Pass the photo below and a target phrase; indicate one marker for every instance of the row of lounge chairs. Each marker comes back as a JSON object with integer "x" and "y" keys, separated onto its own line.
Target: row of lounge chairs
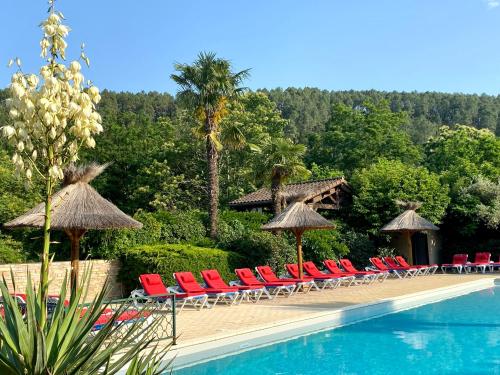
{"x": 482, "y": 263}
{"x": 126, "y": 317}
{"x": 266, "y": 284}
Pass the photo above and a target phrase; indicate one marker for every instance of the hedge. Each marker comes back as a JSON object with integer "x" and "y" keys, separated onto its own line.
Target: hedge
{"x": 166, "y": 259}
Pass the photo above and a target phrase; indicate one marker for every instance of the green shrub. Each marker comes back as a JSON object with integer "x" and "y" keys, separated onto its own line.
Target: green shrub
{"x": 386, "y": 252}
{"x": 250, "y": 220}
{"x": 260, "y": 248}
{"x": 158, "y": 227}
{"x": 361, "y": 247}
{"x": 319, "y": 245}
{"x": 11, "y": 251}
{"x": 166, "y": 259}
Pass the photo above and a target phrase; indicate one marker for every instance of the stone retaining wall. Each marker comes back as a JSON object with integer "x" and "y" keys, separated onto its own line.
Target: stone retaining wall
{"x": 101, "y": 269}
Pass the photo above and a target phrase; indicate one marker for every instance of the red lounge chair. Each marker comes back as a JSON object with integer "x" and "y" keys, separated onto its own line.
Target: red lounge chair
{"x": 188, "y": 284}
{"x": 126, "y": 317}
{"x": 495, "y": 265}
{"x": 305, "y": 284}
{"x": 313, "y": 271}
{"x": 347, "y": 266}
{"x": 250, "y": 293}
{"x": 459, "y": 264}
{"x": 247, "y": 278}
{"x": 155, "y": 290}
{"x": 429, "y": 268}
{"x": 398, "y": 272}
{"x": 324, "y": 281}
{"x": 482, "y": 261}
{"x": 362, "y": 277}
{"x": 391, "y": 263}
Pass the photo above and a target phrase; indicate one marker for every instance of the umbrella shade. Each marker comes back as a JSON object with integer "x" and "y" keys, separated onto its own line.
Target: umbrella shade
{"x": 409, "y": 220}
{"x": 407, "y": 223}
{"x": 76, "y": 208}
{"x": 298, "y": 217}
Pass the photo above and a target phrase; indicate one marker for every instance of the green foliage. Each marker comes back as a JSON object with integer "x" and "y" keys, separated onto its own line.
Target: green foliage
{"x": 319, "y": 245}
{"x": 309, "y": 109}
{"x": 169, "y": 258}
{"x": 463, "y": 153}
{"x": 240, "y": 232}
{"x": 386, "y": 251}
{"x": 321, "y": 172}
{"x": 15, "y": 198}
{"x": 158, "y": 227}
{"x": 379, "y": 186}
{"x": 11, "y": 251}
{"x": 354, "y": 137}
{"x": 482, "y": 198}
{"x": 66, "y": 344}
{"x": 254, "y": 119}
{"x": 360, "y": 246}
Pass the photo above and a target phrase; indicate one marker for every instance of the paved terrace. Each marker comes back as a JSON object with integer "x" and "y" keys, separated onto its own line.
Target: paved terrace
{"x": 209, "y": 324}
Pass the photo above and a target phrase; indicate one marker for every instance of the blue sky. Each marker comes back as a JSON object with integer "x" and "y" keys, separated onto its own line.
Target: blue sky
{"x": 404, "y": 45}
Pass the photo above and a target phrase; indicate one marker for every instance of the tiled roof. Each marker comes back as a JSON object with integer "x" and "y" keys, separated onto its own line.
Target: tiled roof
{"x": 304, "y": 190}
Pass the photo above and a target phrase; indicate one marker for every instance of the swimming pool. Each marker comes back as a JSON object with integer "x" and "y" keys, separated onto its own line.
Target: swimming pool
{"x": 455, "y": 336}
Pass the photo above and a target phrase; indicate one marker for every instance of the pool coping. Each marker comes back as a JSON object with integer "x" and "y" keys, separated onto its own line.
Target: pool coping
{"x": 206, "y": 349}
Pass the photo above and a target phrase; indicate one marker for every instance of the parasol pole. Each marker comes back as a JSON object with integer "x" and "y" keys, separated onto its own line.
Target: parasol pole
{"x": 75, "y": 235}
{"x": 410, "y": 249}
{"x": 298, "y": 236}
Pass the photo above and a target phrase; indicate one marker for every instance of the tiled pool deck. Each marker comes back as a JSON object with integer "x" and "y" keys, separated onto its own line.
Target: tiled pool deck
{"x": 211, "y": 324}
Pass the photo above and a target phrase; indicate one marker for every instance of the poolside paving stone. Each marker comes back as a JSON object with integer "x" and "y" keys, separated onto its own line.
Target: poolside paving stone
{"x": 222, "y": 320}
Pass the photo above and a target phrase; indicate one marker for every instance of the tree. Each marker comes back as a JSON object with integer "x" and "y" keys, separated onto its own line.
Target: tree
{"x": 462, "y": 154}
{"x": 207, "y": 85}
{"x": 482, "y": 200}
{"x": 280, "y": 161}
{"x": 250, "y": 123}
{"x": 354, "y": 137}
{"x": 52, "y": 115}
{"x": 379, "y": 186}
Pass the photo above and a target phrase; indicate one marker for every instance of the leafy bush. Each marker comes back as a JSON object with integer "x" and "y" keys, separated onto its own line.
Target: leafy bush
{"x": 264, "y": 248}
{"x": 325, "y": 244}
{"x": 169, "y": 258}
{"x": 11, "y": 251}
{"x": 159, "y": 227}
{"x": 386, "y": 251}
{"x": 361, "y": 247}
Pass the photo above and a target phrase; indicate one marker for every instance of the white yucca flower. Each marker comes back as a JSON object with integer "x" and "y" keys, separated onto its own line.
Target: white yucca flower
{"x": 52, "y": 113}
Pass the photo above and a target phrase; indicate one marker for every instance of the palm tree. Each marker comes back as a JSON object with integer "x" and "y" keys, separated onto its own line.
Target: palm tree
{"x": 282, "y": 160}
{"x": 207, "y": 85}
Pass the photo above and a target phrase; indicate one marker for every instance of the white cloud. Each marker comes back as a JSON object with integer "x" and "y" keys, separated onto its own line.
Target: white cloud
{"x": 492, "y": 3}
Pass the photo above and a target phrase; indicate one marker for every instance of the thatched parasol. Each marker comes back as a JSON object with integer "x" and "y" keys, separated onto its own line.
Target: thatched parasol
{"x": 298, "y": 217}
{"x": 408, "y": 223}
{"x": 76, "y": 208}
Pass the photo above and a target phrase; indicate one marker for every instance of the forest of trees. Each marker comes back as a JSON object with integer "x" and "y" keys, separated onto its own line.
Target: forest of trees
{"x": 309, "y": 109}
{"x": 440, "y": 149}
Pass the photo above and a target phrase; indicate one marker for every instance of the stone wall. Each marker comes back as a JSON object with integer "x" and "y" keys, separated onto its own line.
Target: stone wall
{"x": 101, "y": 269}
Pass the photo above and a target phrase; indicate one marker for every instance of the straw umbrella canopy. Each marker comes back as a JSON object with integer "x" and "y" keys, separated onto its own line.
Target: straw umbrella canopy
{"x": 76, "y": 208}
{"x": 408, "y": 223}
{"x": 298, "y": 217}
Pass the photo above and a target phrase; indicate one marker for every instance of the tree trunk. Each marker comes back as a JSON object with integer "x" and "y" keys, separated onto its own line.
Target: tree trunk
{"x": 213, "y": 179}
{"x": 277, "y": 194}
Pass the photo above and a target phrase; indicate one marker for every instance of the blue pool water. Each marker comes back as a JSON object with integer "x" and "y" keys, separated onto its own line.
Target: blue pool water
{"x": 455, "y": 336}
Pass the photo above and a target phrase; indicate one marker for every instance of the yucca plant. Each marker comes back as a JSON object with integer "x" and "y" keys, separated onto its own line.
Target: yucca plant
{"x": 67, "y": 343}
